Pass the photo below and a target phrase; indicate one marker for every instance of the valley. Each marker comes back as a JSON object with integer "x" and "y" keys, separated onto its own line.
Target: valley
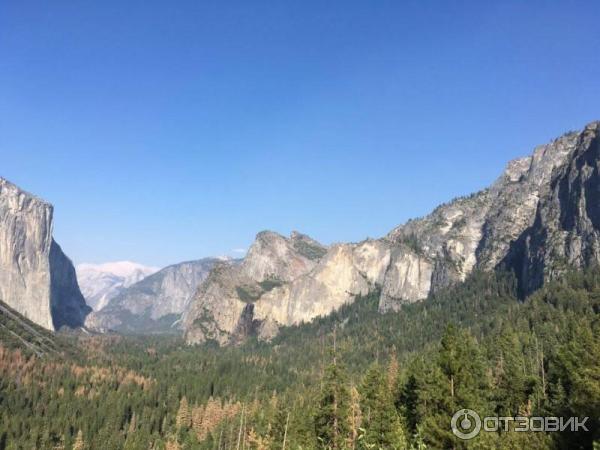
{"x": 491, "y": 302}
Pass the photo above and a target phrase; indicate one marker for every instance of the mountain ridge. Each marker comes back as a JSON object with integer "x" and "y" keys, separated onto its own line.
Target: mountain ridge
{"x": 100, "y": 283}
{"x": 154, "y": 303}
{"x": 419, "y": 257}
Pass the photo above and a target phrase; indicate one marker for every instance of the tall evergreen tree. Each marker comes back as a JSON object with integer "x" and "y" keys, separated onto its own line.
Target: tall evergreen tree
{"x": 331, "y": 419}
{"x": 380, "y": 420}
{"x": 458, "y": 380}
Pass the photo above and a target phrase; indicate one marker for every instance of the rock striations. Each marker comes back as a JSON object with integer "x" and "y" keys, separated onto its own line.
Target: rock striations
{"x": 541, "y": 217}
{"x": 36, "y": 278}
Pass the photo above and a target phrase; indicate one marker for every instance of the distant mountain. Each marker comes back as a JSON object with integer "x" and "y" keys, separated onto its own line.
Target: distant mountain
{"x": 37, "y": 280}
{"x": 154, "y": 304}
{"x": 100, "y": 283}
{"x": 540, "y": 219}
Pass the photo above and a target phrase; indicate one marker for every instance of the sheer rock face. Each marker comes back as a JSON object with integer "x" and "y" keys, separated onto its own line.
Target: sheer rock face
{"x": 540, "y": 217}
{"x": 344, "y": 272}
{"x": 434, "y": 251}
{"x": 565, "y": 229}
{"x": 155, "y": 303}
{"x": 516, "y": 196}
{"x": 36, "y": 278}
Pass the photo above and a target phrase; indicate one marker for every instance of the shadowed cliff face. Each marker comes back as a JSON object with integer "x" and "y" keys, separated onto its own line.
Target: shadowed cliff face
{"x": 67, "y": 305}
{"x": 36, "y": 278}
{"x": 540, "y": 217}
{"x": 566, "y": 230}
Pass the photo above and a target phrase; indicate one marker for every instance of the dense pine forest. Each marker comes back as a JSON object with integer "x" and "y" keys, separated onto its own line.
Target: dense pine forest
{"x": 356, "y": 379}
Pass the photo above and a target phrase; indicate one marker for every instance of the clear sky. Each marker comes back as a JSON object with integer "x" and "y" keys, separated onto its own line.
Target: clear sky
{"x": 166, "y": 131}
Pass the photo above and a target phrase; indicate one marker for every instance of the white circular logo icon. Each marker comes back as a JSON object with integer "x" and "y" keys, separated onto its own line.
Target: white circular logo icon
{"x": 466, "y": 424}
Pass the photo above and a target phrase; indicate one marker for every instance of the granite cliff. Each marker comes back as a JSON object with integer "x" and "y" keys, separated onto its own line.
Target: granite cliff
{"x": 540, "y": 217}
{"x": 37, "y": 280}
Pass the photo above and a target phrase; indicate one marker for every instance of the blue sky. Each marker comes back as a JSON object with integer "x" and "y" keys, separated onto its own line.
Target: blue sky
{"x": 167, "y": 131}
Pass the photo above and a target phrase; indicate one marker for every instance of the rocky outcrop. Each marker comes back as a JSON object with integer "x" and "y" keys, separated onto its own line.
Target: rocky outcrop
{"x": 154, "y": 304}
{"x": 220, "y": 310}
{"x": 539, "y": 218}
{"x": 100, "y": 283}
{"x": 36, "y": 278}
{"x": 564, "y": 230}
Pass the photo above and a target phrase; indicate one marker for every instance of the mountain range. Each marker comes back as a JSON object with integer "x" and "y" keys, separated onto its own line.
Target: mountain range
{"x": 539, "y": 219}
{"x": 99, "y": 283}
{"x": 155, "y": 303}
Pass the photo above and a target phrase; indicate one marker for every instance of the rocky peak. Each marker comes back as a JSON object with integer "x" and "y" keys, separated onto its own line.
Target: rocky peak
{"x": 307, "y": 246}
{"x": 564, "y": 232}
{"x": 273, "y": 262}
{"x": 275, "y": 257}
{"x": 515, "y": 197}
{"x": 36, "y": 278}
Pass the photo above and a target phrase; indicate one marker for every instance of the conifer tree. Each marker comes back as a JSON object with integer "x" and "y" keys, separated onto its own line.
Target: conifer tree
{"x": 457, "y": 380}
{"x": 355, "y": 418}
{"x": 380, "y": 419}
{"x": 331, "y": 419}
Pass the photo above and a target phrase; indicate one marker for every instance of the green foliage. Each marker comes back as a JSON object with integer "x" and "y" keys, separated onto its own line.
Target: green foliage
{"x": 17, "y": 332}
{"x": 248, "y": 294}
{"x": 413, "y": 242}
{"x": 474, "y": 345}
{"x": 270, "y": 284}
{"x": 331, "y": 420}
{"x": 381, "y": 422}
{"x": 308, "y": 250}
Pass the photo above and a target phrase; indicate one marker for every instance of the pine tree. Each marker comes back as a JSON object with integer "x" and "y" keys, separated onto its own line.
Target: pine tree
{"x": 132, "y": 425}
{"x": 197, "y": 424}
{"x": 380, "y": 419}
{"x": 457, "y": 380}
{"x": 256, "y": 442}
{"x": 279, "y": 426}
{"x": 355, "y": 418}
{"x": 408, "y": 402}
{"x": 331, "y": 419}
{"x": 510, "y": 390}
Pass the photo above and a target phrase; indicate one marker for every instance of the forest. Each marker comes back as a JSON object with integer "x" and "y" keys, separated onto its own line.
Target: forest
{"x": 356, "y": 379}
